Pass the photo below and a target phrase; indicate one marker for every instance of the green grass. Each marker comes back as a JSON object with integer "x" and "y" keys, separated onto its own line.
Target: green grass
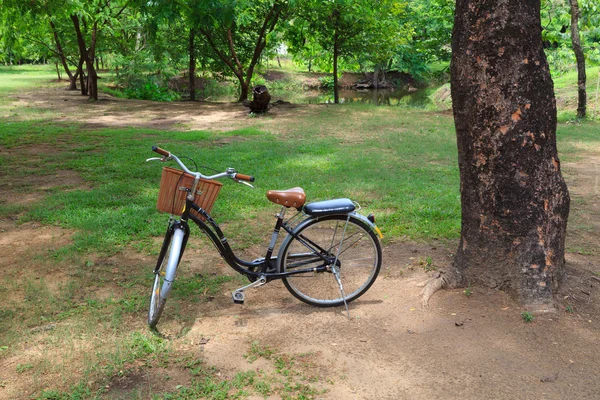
{"x": 19, "y": 77}
{"x": 406, "y": 165}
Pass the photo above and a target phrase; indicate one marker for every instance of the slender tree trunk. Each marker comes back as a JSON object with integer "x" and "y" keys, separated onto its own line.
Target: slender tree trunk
{"x": 581, "y": 78}
{"x": 191, "y": 51}
{"x": 63, "y": 58}
{"x": 244, "y": 89}
{"x": 82, "y": 77}
{"x": 92, "y": 73}
{"x": 88, "y": 56}
{"x": 515, "y": 203}
{"x": 57, "y": 70}
{"x": 336, "y": 94}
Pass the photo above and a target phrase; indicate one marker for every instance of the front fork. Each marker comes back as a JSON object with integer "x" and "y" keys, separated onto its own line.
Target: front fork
{"x": 176, "y": 251}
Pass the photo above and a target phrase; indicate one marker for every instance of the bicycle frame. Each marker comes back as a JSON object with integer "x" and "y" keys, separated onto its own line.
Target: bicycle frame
{"x": 264, "y": 265}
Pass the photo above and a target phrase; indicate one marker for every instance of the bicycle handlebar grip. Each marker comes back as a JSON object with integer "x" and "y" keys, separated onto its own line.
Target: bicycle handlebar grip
{"x": 160, "y": 151}
{"x": 243, "y": 177}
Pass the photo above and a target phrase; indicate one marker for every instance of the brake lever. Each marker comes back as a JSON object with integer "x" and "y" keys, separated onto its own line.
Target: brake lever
{"x": 163, "y": 159}
{"x": 243, "y": 182}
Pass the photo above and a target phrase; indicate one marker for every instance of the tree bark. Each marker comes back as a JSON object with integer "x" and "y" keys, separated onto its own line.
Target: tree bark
{"x": 515, "y": 203}
{"x": 336, "y": 94}
{"x": 88, "y": 56}
{"x": 57, "y": 70}
{"x": 576, "y": 43}
{"x": 82, "y": 77}
{"x": 63, "y": 58}
{"x": 192, "y": 71}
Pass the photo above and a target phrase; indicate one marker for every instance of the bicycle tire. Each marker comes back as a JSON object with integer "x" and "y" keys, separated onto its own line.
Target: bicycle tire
{"x": 164, "y": 276}
{"x": 359, "y": 260}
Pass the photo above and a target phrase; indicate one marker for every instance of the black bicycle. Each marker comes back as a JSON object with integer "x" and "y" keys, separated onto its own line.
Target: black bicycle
{"x": 330, "y": 256}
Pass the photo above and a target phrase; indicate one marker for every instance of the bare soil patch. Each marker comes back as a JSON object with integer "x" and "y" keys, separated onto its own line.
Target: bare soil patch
{"x": 473, "y": 347}
{"x": 109, "y": 111}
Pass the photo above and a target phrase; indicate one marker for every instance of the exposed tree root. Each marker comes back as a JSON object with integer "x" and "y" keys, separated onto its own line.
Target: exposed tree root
{"x": 449, "y": 279}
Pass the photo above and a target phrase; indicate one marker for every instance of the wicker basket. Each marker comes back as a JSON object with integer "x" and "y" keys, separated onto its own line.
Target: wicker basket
{"x": 171, "y": 197}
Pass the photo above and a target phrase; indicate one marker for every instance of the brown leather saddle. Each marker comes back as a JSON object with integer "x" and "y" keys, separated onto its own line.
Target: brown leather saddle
{"x": 294, "y": 197}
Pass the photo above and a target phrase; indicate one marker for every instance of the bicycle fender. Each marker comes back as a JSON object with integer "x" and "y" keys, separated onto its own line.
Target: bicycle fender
{"x": 369, "y": 223}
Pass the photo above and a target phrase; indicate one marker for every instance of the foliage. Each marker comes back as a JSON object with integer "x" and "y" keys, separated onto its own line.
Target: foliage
{"x": 326, "y": 82}
{"x": 556, "y": 22}
{"x": 236, "y": 32}
{"x": 141, "y": 76}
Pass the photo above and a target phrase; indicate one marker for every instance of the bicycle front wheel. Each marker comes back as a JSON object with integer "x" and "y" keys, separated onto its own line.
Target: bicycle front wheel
{"x": 164, "y": 273}
{"x": 347, "y": 246}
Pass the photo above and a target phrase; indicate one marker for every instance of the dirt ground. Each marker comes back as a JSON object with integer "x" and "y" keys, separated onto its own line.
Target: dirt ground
{"x": 470, "y": 347}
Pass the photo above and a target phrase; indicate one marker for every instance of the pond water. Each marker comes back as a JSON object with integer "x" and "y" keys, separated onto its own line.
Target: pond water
{"x": 420, "y": 98}
{"x": 382, "y": 97}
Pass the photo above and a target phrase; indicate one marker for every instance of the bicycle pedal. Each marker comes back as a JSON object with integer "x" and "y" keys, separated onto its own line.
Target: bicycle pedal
{"x": 238, "y": 297}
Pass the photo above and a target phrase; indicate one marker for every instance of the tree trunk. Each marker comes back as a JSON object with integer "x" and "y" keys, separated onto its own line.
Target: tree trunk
{"x": 63, "y": 58}
{"x": 244, "y": 89}
{"x": 336, "y": 94}
{"x": 82, "y": 77}
{"x": 376, "y": 77}
{"x": 515, "y": 203}
{"x": 57, "y": 70}
{"x": 192, "y": 66}
{"x": 88, "y": 56}
{"x": 582, "y": 98}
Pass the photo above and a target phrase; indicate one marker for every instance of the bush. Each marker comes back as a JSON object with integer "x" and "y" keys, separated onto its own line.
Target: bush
{"x": 327, "y": 81}
{"x": 150, "y": 90}
{"x": 140, "y": 76}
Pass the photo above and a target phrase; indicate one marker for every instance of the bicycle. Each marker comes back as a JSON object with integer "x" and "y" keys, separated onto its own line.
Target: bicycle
{"x": 330, "y": 256}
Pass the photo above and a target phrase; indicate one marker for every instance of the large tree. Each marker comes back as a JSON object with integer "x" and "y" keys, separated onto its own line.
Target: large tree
{"x": 514, "y": 200}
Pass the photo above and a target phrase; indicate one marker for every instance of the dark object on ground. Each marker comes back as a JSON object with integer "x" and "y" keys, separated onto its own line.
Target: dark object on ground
{"x": 261, "y": 98}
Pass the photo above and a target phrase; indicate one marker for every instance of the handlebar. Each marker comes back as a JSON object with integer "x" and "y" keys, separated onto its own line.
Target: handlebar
{"x": 243, "y": 177}
{"x": 160, "y": 151}
{"x": 230, "y": 172}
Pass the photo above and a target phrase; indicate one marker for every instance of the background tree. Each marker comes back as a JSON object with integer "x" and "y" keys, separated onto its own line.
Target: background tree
{"x": 514, "y": 200}
{"x": 568, "y": 33}
{"x": 238, "y": 32}
{"x": 580, "y": 59}
{"x": 366, "y": 32}
{"x": 333, "y": 25}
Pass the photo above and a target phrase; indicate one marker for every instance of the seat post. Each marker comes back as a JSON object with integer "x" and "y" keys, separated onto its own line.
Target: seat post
{"x": 278, "y": 225}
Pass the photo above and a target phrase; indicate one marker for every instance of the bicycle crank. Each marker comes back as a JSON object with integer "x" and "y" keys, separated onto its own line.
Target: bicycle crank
{"x": 239, "y": 296}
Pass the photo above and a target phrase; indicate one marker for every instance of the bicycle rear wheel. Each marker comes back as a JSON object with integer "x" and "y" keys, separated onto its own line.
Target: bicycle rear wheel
{"x": 164, "y": 273}
{"x": 323, "y": 241}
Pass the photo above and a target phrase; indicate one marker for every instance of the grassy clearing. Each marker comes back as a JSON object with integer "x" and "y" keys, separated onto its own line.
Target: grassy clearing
{"x": 412, "y": 166}
{"x": 24, "y": 77}
{"x": 396, "y": 162}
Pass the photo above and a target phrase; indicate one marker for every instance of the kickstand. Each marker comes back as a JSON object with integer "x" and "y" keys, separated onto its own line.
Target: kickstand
{"x": 336, "y": 270}
{"x": 336, "y": 273}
